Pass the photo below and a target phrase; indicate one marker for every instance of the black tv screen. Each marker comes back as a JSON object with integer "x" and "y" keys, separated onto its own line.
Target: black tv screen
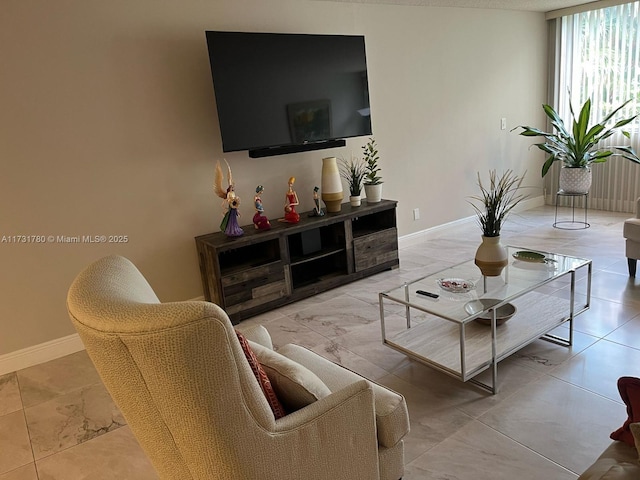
{"x": 280, "y": 93}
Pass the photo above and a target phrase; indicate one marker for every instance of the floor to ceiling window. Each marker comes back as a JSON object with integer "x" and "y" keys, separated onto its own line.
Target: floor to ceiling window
{"x": 597, "y": 56}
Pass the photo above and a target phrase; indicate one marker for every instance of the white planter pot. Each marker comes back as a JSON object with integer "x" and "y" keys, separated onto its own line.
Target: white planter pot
{"x": 373, "y": 193}
{"x": 575, "y": 180}
{"x": 355, "y": 200}
{"x": 491, "y": 256}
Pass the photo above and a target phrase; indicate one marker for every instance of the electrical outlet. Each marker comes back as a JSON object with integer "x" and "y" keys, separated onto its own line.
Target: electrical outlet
{"x": 503, "y": 123}
{"x": 416, "y": 214}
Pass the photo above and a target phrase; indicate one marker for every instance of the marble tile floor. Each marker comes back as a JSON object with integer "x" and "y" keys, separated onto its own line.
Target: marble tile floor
{"x": 550, "y": 420}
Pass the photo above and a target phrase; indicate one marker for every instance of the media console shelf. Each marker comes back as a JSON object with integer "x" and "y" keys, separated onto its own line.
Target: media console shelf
{"x": 262, "y": 270}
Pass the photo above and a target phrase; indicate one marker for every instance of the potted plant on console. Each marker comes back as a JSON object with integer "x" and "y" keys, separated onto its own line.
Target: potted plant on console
{"x": 577, "y": 148}
{"x": 353, "y": 171}
{"x": 496, "y": 202}
{"x": 372, "y": 182}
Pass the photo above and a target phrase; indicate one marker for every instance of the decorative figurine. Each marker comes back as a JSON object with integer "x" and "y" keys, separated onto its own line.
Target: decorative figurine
{"x": 317, "y": 211}
{"x": 260, "y": 221}
{"x": 291, "y": 200}
{"x": 229, "y": 224}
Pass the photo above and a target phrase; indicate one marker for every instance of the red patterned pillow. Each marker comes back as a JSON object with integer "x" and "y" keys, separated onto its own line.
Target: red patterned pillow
{"x": 629, "y": 388}
{"x": 261, "y": 376}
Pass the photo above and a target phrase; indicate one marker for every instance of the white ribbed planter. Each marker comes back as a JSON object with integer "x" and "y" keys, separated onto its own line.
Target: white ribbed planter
{"x": 575, "y": 180}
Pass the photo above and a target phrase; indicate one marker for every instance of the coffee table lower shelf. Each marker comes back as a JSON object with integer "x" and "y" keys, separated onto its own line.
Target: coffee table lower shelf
{"x": 464, "y": 350}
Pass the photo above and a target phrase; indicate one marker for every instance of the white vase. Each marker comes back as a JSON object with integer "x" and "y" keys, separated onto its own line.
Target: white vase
{"x": 355, "y": 200}
{"x": 491, "y": 256}
{"x": 331, "y": 185}
{"x": 373, "y": 193}
{"x": 575, "y": 180}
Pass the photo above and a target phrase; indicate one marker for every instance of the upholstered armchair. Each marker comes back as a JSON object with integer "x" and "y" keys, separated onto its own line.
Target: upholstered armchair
{"x": 631, "y": 232}
{"x": 180, "y": 376}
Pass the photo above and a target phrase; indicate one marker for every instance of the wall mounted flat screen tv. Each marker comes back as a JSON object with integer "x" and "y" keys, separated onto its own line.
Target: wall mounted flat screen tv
{"x": 283, "y": 93}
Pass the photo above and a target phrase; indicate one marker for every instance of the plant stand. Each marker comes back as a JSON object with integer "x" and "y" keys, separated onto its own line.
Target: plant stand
{"x": 572, "y": 224}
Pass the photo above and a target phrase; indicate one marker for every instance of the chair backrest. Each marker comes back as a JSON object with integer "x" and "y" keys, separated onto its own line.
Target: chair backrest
{"x": 175, "y": 370}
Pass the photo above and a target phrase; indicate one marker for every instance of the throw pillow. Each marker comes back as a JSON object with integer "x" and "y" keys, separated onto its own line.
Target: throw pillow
{"x": 295, "y": 385}
{"x": 261, "y": 376}
{"x": 629, "y": 388}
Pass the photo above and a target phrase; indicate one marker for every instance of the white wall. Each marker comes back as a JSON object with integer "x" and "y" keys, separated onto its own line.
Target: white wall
{"x": 108, "y": 127}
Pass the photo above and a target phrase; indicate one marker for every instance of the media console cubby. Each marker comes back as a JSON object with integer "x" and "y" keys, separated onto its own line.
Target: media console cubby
{"x": 262, "y": 270}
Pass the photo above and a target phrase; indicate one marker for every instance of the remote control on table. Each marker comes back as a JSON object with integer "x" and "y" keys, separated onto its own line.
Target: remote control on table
{"x": 427, "y": 294}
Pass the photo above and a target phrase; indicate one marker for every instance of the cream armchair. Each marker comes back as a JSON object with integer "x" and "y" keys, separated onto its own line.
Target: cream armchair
{"x": 631, "y": 232}
{"x": 181, "y": 379}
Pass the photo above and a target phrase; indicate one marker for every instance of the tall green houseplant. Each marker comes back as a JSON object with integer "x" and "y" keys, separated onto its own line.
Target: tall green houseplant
{"x": 578, "y": 147}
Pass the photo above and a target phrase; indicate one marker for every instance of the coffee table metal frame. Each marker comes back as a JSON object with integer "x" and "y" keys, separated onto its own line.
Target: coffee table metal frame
{"x": 518, "y": 282}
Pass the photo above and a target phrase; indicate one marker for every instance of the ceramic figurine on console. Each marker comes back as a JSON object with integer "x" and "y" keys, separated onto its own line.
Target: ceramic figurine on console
{"x": 230, "y": 201}
{"x": 291, "y": 201}
{"x": 260, "y": 221}
{"x": 317, "y": 211}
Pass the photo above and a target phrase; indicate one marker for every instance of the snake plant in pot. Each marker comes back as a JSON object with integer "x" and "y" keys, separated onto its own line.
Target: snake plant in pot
{"x": 578, "y": 147}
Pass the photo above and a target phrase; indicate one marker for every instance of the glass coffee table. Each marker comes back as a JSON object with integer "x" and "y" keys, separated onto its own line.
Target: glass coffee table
{"x": 462, "y": 323}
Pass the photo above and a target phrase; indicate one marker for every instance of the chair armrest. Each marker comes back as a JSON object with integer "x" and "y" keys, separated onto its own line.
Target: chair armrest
{"x": 359, "y": 393}
{"x": 257, "y": 334}
{"x": 638, "y": 208}
{"x": 392, "y": 418}
{"x": 340, "y": 427}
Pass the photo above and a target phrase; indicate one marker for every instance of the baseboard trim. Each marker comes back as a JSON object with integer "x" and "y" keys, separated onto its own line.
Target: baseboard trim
{"x": 418, "y": 237}
{"x": 45, "y": 352}
{"x": 30, "y": 356}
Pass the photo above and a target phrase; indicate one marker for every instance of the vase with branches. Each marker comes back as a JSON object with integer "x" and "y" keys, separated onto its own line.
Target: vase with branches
{"x": 495, "y": 202}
